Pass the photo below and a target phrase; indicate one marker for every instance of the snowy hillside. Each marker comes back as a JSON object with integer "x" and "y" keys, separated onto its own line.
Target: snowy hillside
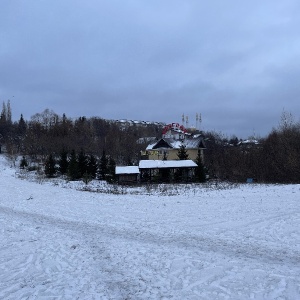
{"x": 60, "y": 243}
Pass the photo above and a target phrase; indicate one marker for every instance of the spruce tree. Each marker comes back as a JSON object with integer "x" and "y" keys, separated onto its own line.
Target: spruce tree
{"x": 8, "y": 112}
{"x": 111, "y": 169}
{"x": 82, "y": 163}
{"x": 50, "y": 168}
{"x": 63, "y": 162}
{"x": 22, "y": 126}
{"x": 103, "y": 166}
{"x": 73, "y": 170}
{"x": 182, "y": 153}
{"x": 3, "y": 116}
{"x": 92, "y": 166}
{"x": 200, "y": 171}
{"x": 4, "y": 124}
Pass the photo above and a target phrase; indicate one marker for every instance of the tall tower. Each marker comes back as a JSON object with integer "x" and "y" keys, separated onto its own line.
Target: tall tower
{"x": 200, "y": 120}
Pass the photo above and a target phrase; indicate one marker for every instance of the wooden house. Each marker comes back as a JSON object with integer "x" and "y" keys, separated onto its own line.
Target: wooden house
{"x": 167, "y": 170}
{"x": 127, "y": 174}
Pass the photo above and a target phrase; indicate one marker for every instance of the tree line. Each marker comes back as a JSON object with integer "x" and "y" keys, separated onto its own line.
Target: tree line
{"x": 83, "y": 142}
{"x": 274, "y": 159}
{"x": 48, "y": 136}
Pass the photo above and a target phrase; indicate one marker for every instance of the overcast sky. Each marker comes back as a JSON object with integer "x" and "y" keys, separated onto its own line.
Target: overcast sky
{"x": 235, "y": 62}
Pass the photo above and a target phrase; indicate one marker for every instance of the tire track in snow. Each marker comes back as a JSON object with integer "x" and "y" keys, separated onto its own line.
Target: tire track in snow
{"x": 73, "y": 260}
{"x": 239, "y": 248}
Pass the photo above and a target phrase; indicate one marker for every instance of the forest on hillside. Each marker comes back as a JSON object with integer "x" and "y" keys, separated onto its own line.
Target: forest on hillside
{"x": 274, "y": 159}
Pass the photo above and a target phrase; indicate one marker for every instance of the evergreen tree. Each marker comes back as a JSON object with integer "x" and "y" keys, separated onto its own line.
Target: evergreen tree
{"x": 22, "y": 126}
{"x": 4, "y": 124}
{"x": 8, "y": 112}
{"x": 63, "y": 162}
{"x": 82, "y": 163}
{"x": 3, "y": 116}
{"x": 92, "y": 166}
{"x": 182, "y": 153}
{"x": 200, "y": 171}
{"x": 50, "y": 168}
{"x": 73, "y": 170}
{"x": 111, "y": 169}
{"x": 103, "y": 166}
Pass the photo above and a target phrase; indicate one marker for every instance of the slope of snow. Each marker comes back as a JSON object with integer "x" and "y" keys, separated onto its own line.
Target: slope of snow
{"x": 58, "y": 243}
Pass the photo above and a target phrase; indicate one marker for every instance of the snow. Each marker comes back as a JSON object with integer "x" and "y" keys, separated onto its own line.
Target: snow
{"x": 251, "y": 141}
{"x": 200, "y": 242}
{"x": 176, "y": 142}
{"x": 127, "y": 170}
{"x": 154, "y": 164}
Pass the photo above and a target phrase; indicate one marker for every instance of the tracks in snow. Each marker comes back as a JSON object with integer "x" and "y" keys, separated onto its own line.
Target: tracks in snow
{"x": 233, "y": 246}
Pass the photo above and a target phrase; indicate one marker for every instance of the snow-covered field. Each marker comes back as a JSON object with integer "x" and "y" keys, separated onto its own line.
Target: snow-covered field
{"x": 235, "y": 243}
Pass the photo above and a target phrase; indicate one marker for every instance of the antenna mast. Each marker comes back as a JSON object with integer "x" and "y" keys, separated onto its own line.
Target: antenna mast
{"x": 200, "y": 121}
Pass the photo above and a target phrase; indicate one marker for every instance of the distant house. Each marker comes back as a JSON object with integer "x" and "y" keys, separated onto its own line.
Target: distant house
{"x": 249, "y": 143}
{"x": 146, "y": 140}
{"x": 127, "y": 174}
{"x": 173, "y": 137}
{"x": 160, "y": 162}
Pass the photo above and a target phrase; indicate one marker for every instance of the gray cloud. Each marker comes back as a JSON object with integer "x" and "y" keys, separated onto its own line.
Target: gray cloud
{"x": 234, "y": 62}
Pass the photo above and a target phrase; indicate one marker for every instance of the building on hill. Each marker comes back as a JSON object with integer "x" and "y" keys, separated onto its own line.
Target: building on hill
{"x": 146, "y": 140}
{"x": 173, "y": 138}
{"x": 124, "y": 123}
{"x": 249, "y": 143}
{"x": 160, "y": 161}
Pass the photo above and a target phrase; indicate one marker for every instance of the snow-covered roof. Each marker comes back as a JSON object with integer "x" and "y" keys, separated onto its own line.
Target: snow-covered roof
{"x": 150, "y": 146}
{"x": 189, "y": 143}
{"x": 249, "y": 141}
{"x": 127, "y": 170}
{"x": 159, "y": 164}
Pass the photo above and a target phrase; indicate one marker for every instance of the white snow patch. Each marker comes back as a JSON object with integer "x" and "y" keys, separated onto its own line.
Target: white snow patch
{"x": 127, "y": 170}
{"x": 147, "y": 164}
